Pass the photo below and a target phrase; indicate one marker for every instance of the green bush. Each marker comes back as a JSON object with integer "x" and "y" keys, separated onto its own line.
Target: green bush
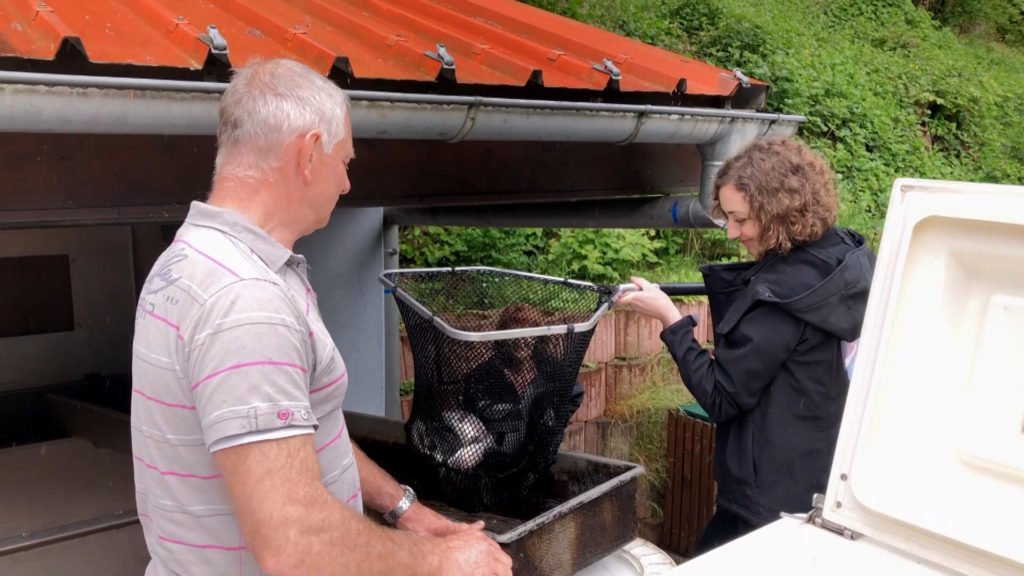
{"x": 434, "y": 246}
{"x": 889, "y": 88}
{"x": 999, "y": 20}
{"x": 602, "y": 256}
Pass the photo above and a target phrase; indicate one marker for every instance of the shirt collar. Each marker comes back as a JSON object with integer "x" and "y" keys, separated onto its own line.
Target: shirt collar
{"x": 234, "y": 224}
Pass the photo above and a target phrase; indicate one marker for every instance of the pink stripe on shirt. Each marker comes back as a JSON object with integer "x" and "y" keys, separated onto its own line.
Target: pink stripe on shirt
{"x": 192, "y": 545}
{"x": 247, "y": 365}
{"x": 329, "y": 384}
{"x": 332, "y": 440}
{"x": 203, "y": 546}
{"x": 177, "y": 474}
{"x": 161, "y": 402}
{"x": 160, "y": 318}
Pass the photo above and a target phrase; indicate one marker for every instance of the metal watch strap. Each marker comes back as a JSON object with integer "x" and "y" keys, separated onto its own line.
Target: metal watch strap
{"x": 408, "y": 497}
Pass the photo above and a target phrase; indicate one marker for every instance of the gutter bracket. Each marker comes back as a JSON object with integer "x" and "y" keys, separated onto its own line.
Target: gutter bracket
{"x": 442, "y": 56}
{"x": 743, "y": 79}
{"x": 608, "y": 67}
{"x": 214, "y": 40}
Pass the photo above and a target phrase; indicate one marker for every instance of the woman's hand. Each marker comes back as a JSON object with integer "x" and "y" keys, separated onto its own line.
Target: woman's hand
{"x": 650, "y": 300}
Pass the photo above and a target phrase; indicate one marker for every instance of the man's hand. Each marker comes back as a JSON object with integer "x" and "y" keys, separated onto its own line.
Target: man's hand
{"x": 468, "y": 552}
{"x": 423, "y": 520}
{"x": 650, "y": 300}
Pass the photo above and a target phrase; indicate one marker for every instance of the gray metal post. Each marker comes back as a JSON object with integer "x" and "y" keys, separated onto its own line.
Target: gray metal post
{"x": 662, "y": 212}
{"x": 392, "y": 344}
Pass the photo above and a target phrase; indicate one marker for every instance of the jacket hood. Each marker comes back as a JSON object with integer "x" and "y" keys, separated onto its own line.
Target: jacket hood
{"x": 824, "y": 283}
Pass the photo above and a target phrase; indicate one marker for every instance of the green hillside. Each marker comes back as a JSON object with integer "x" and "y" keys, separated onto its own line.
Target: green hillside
{"x": 891, "y": 88}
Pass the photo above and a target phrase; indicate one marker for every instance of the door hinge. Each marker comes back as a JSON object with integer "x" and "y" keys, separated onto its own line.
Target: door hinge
{"x": 816, "y": 517}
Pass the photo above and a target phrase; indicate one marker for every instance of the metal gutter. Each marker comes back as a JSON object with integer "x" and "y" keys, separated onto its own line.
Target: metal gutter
{"x": 55, "y": 103}
{"x": 114, "y": 105}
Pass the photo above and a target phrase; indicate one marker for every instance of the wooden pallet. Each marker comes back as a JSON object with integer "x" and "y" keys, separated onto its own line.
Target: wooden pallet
{"x": 690, "y": 492}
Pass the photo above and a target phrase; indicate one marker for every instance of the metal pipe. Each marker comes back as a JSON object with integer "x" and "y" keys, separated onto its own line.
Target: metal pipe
{"x": 660, "y": 212}
{"x": 672, "y": 288}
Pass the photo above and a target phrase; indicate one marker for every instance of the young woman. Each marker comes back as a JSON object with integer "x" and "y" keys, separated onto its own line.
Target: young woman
{"x": 775, "y": 383}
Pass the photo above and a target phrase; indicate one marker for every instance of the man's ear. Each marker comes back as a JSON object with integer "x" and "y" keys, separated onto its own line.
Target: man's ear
{"x": 308, "y": 147}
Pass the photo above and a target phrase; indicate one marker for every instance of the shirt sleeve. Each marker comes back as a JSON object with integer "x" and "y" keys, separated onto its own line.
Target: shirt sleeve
{"x": 248, "y": 360}
{"x": 232, "y": 441}
{"x": 745, "y": 361}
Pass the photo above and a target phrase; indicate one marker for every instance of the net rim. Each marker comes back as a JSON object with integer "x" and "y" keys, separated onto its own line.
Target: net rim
{"x": 493, "y": 335}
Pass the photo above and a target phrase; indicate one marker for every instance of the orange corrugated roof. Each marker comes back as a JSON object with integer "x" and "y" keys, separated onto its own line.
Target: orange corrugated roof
{"x": 492, "y": 42}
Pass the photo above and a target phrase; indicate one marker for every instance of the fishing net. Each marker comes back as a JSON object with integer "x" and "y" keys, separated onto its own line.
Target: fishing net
{"x": 496, "y": 356}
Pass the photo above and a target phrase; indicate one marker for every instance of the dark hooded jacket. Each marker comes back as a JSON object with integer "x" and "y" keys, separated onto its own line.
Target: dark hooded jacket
{"x": 776, "y": 385}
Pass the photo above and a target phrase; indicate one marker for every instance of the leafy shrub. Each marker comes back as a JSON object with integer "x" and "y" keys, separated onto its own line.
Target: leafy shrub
{"x": 1001, "y": 20}
{"x": 890, "y": 88}
{"x": 602, "y": 256}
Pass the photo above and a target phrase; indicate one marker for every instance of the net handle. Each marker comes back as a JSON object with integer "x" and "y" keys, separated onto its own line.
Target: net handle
{"x": 670, "y": 288}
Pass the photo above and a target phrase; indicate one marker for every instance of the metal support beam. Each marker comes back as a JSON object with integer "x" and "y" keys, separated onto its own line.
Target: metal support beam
{"x": 661, "y": 212}
{"x": 392, "y": 345}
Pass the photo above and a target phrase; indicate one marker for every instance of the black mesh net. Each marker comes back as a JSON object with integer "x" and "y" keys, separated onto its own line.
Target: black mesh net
{"x": 490, "y": 411}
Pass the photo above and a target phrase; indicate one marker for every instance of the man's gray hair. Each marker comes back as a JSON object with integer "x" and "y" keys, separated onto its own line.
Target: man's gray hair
{"x": 268, "y": 103}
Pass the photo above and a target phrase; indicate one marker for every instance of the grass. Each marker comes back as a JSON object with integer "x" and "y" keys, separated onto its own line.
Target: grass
{"x": 648, "y": 410}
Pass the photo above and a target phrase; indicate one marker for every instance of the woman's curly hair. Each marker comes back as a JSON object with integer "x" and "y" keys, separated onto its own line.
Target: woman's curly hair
{"x": 790, "y": 188}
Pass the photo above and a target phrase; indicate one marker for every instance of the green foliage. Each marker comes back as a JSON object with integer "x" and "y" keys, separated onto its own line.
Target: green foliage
{"x": 601, "y": 256}
{"x": 887, "y": 90}
{"x": 999, "y": 20}
{"x": 645, "y": 20}
{"x": 433, "y": 246}
{"x": 890, "y": 88}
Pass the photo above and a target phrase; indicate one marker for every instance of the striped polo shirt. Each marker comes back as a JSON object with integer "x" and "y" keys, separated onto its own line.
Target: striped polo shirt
{"x": 229, "y": 348}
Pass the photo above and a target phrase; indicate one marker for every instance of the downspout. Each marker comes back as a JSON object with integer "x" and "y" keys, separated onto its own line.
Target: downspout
{"x": 714, "y": 154}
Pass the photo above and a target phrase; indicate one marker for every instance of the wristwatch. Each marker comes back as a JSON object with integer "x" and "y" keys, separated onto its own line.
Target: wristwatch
{"x": 408, "y": 497}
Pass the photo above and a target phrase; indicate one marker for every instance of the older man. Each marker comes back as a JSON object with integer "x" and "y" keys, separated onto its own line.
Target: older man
{"x": 243, "y": 463}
